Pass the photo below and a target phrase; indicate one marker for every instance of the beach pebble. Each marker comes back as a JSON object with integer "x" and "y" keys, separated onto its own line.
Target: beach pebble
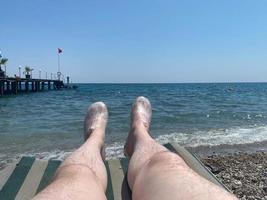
{"x": 238, "y": 183}
{"x": 245, "y": 174}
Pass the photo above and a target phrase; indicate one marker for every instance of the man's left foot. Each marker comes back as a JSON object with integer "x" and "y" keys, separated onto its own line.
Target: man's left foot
{"x": 96, "y": 119}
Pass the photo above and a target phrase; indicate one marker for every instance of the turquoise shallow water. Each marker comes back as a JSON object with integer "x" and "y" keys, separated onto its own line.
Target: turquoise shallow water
{"x": 49, "y": 124}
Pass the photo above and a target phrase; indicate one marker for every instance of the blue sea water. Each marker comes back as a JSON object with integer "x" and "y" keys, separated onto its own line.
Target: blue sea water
{"x": 50, "y": 124}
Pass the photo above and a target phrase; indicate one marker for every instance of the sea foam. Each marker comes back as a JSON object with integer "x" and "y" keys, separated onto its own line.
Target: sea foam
{"x": 231, "y": 136}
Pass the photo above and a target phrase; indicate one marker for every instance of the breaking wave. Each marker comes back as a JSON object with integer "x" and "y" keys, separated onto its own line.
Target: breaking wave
{"x": 198, "y": 138}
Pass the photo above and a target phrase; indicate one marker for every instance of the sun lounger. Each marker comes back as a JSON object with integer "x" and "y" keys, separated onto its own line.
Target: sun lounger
{"x": 23, "y": 180}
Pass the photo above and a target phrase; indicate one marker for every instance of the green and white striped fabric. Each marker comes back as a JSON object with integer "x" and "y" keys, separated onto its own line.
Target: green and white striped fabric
{"x": 23, "y": 180}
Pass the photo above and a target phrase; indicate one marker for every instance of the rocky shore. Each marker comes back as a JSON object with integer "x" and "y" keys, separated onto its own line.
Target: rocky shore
{"x": 245, "y": 174}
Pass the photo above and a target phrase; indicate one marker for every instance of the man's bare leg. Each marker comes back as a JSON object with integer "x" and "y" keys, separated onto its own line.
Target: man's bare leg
{"x": 83, "y": 175}
{"x": 156, "y": 173}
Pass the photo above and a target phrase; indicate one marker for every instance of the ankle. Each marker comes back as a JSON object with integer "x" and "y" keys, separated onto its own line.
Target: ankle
{"x": 138, "y": 125}
{"x": 139, "y": 133}
{"x": 97, "y": 135}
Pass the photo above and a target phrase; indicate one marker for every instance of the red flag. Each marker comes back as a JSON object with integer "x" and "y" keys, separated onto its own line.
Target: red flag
{"x": 59, "y": 50}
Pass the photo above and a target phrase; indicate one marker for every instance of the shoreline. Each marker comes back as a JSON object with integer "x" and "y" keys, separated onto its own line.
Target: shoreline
{"x": 224, "y": 149}
{"x": 116, "y": 151}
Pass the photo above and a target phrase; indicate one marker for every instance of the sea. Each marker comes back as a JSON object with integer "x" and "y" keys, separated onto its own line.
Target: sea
{"x": 50, "y": 124}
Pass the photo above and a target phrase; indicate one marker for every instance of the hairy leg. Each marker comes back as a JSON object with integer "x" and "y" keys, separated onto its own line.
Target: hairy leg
{"x": 83, "y": 175}
{"x": 156, "y": 173}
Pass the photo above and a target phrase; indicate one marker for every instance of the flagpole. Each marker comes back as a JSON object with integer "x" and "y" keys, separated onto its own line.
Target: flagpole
{"x": 58, "y": 62}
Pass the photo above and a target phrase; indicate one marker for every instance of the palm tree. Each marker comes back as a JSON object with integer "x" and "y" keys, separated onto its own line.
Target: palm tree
{"x": 28, "y": 71}
{"x": 3, "y": 61}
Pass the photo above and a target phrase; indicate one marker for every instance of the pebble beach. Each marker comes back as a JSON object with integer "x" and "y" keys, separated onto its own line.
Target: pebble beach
{"x": 242, "y": 170}
{"x": 245, "y": 174}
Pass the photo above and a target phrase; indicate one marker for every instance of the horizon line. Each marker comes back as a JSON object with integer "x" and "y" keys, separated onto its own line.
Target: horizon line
{"x": 168, "y": 82}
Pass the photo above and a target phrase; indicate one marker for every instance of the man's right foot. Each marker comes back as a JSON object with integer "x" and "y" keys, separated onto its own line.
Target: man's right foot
{"x": 140, "y": 122}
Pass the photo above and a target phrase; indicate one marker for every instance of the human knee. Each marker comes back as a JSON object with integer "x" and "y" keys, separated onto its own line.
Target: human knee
{"x": 74, "y": 171}
{"x": 161, "y": 166}
{"x": 166, "y": 160}
{"x": 73, "y": 182}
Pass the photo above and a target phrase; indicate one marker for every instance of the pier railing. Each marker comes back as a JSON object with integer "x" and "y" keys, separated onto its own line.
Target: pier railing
{"x": 20, "y": 85}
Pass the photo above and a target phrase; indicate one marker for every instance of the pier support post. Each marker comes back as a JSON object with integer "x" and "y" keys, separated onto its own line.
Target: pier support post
{"x": 20, "y": 87}
{"x": 49, "y": 85}
{"x": 27, "y": 86}
{"x": 2, "y": 84}
{"x": 14, "y": 87}
{"x": 36, "y": 86}
{"x": 8, "y": 87}
{"x": 43, "y": 85}
{"x": 33, "y": 86}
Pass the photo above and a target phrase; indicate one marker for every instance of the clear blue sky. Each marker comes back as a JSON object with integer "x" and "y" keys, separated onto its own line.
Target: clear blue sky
{"x": 138, "y": 41}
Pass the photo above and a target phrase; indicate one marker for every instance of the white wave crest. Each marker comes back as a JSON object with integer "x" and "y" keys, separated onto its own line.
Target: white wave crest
{"x": 56, "y": 155}
{"x": 238, "y": 135}
{"x": 197, "y": 138}
{"x": 216, "y": 137}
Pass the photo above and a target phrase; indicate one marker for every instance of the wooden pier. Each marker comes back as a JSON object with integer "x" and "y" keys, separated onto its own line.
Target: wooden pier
{"x": 21, "y": 85}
